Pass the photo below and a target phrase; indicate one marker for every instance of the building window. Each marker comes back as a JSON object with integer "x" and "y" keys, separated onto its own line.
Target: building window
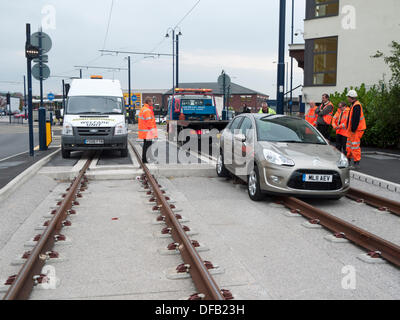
{"x": 321, "y": 62}
{"x": 322, "y": 8}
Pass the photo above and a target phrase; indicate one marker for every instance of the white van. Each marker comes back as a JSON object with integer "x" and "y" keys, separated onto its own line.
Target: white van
{"x": 94, "y": 117}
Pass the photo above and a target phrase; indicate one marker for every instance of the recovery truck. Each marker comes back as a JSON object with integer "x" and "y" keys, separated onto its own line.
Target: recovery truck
{"x": 194, "y": 109}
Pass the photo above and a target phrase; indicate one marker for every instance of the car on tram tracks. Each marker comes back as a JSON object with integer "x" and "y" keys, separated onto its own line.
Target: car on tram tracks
{"x": 282, "y": 155}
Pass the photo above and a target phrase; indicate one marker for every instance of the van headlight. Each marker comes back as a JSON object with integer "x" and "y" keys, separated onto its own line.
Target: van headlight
{"x": 67, "y": 129}
{"x": 343, "y": 162}
{"x": 120, "y": 129}
{"x": 277, "y": 158}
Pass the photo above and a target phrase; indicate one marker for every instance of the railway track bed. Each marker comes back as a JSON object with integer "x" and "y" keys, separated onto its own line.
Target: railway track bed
{"x": 116, "y": 248}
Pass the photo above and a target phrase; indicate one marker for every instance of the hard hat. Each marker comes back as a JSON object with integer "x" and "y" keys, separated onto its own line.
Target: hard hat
{"x": 352, "y": 94}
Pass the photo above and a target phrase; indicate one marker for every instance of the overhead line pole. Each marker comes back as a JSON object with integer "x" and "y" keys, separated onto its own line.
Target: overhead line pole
{"x": 281, "y": 61}
{"x": 291, "y": 64}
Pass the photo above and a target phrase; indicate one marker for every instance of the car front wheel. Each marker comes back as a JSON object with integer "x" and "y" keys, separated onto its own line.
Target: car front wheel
{"x": 253, "y": 185}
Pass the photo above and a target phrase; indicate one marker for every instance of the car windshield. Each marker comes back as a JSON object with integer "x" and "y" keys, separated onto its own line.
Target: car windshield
{"x": 94, "y": 105}
{"x": 287, "y": 129}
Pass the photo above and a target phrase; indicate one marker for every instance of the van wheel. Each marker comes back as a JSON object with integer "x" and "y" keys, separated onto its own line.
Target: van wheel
{"x": 221, "y": 170}
{"x": 124, "y": 153}
{"x": 253, "y": 185}
{"x": 66, "y": 154}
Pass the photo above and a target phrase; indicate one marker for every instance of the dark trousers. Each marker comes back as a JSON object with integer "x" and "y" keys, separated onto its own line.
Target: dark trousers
{"x": 146, "y": 145}
{"x": 341, "y": 142}
{"x": 324, "y": 129}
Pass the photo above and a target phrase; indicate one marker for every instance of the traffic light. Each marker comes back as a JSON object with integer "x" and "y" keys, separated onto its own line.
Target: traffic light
{"x": 31, "y": 52}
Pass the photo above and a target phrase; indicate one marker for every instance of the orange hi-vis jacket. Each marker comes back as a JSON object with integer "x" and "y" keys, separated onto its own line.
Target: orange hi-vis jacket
{"x": 147, "y": 124}
{"x": 362, "y": 125}
{"x": 311, "y": 116}
{"x": 339, "y": 121}
{"x": 328, "y": 117}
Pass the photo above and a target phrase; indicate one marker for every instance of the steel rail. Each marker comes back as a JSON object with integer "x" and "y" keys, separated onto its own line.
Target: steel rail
{"x": 362, "y": 238}
{"x": 202, "y": 279}
{"x": 23, "y": 284}
{"x": 374, "y": 200}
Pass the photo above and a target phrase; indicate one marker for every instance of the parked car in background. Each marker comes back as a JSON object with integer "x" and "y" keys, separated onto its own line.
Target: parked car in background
{"x": 21, "y": 115}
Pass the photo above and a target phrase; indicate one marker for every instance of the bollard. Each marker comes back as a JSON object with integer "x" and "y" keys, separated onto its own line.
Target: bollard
{"x": 42, "y": 129}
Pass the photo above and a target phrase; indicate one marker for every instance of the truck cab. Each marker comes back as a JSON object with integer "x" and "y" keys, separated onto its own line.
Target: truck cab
{"x": 194, "y": 109}
{"x": 94, "y": 117}
{"x": 192, "y": 104}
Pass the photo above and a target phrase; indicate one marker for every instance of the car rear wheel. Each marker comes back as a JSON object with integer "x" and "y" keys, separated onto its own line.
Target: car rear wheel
{"x": 221, "y": 170}
{"x": 253, "y": 185}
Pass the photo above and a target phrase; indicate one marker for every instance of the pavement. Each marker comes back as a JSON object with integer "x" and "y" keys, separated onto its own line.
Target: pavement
{"x": 381, "y": 163}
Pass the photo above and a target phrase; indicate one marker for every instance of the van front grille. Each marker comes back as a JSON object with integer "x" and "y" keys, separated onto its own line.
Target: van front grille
{"x": 92, "y": 131}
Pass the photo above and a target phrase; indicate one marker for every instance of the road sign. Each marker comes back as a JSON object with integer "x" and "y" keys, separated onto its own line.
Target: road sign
{"x": 36, "y": 71}
{"x": 46, "y": 41}
{"x": 45, "y": 59}
{"x": 136, "y": 99}
{"x": 50, "y": 96}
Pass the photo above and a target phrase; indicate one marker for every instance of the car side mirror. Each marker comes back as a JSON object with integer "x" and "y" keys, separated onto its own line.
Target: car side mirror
{"x": 240, "y": 137}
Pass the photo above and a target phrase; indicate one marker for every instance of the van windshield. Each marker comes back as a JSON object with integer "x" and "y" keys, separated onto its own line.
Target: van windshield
{"x": 94, "y": 105}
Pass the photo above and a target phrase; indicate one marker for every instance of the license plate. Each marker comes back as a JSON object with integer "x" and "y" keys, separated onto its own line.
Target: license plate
{"x": 317, "y": 178}
{"x": 94, "y": 141}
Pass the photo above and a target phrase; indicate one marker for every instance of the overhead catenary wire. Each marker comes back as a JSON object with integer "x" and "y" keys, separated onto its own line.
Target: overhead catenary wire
{"x": 108, "y": 24}
{"x": 184, "y": 17}
{"x": 164, "y": 39}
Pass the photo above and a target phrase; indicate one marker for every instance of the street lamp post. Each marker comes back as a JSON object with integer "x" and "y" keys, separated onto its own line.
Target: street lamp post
{"x": 175, "y": 34}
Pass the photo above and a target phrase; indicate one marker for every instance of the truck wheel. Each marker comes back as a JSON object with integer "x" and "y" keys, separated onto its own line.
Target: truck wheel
{"x": 66, "y": 154}
{"x": 124, "y": 153}
{"x": 221, "y": 170}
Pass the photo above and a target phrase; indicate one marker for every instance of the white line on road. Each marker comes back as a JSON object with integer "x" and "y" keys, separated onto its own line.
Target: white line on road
{"x": 18, "y": 154}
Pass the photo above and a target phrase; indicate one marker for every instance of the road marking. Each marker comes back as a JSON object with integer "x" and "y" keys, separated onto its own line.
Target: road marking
{"x": 14, "y": 155}
{"x": 18, "y": 154}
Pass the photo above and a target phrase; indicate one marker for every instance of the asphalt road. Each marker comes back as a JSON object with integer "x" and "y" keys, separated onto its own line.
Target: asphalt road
{"x": 14, "y": 139}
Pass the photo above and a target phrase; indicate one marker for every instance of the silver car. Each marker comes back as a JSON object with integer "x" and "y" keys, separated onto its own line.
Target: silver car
{"x": 282, "y": 155}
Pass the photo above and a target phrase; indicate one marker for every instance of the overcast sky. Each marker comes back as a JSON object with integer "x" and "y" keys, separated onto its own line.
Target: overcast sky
{"x": 240, "y": 37}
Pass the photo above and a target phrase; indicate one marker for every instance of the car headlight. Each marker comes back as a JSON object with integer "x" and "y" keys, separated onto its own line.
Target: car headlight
{"x": 67, "y": 129}
{"x": 343, "y": 162}
{"x": 277, "y": 158}
{"x": 121, "y": 128}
